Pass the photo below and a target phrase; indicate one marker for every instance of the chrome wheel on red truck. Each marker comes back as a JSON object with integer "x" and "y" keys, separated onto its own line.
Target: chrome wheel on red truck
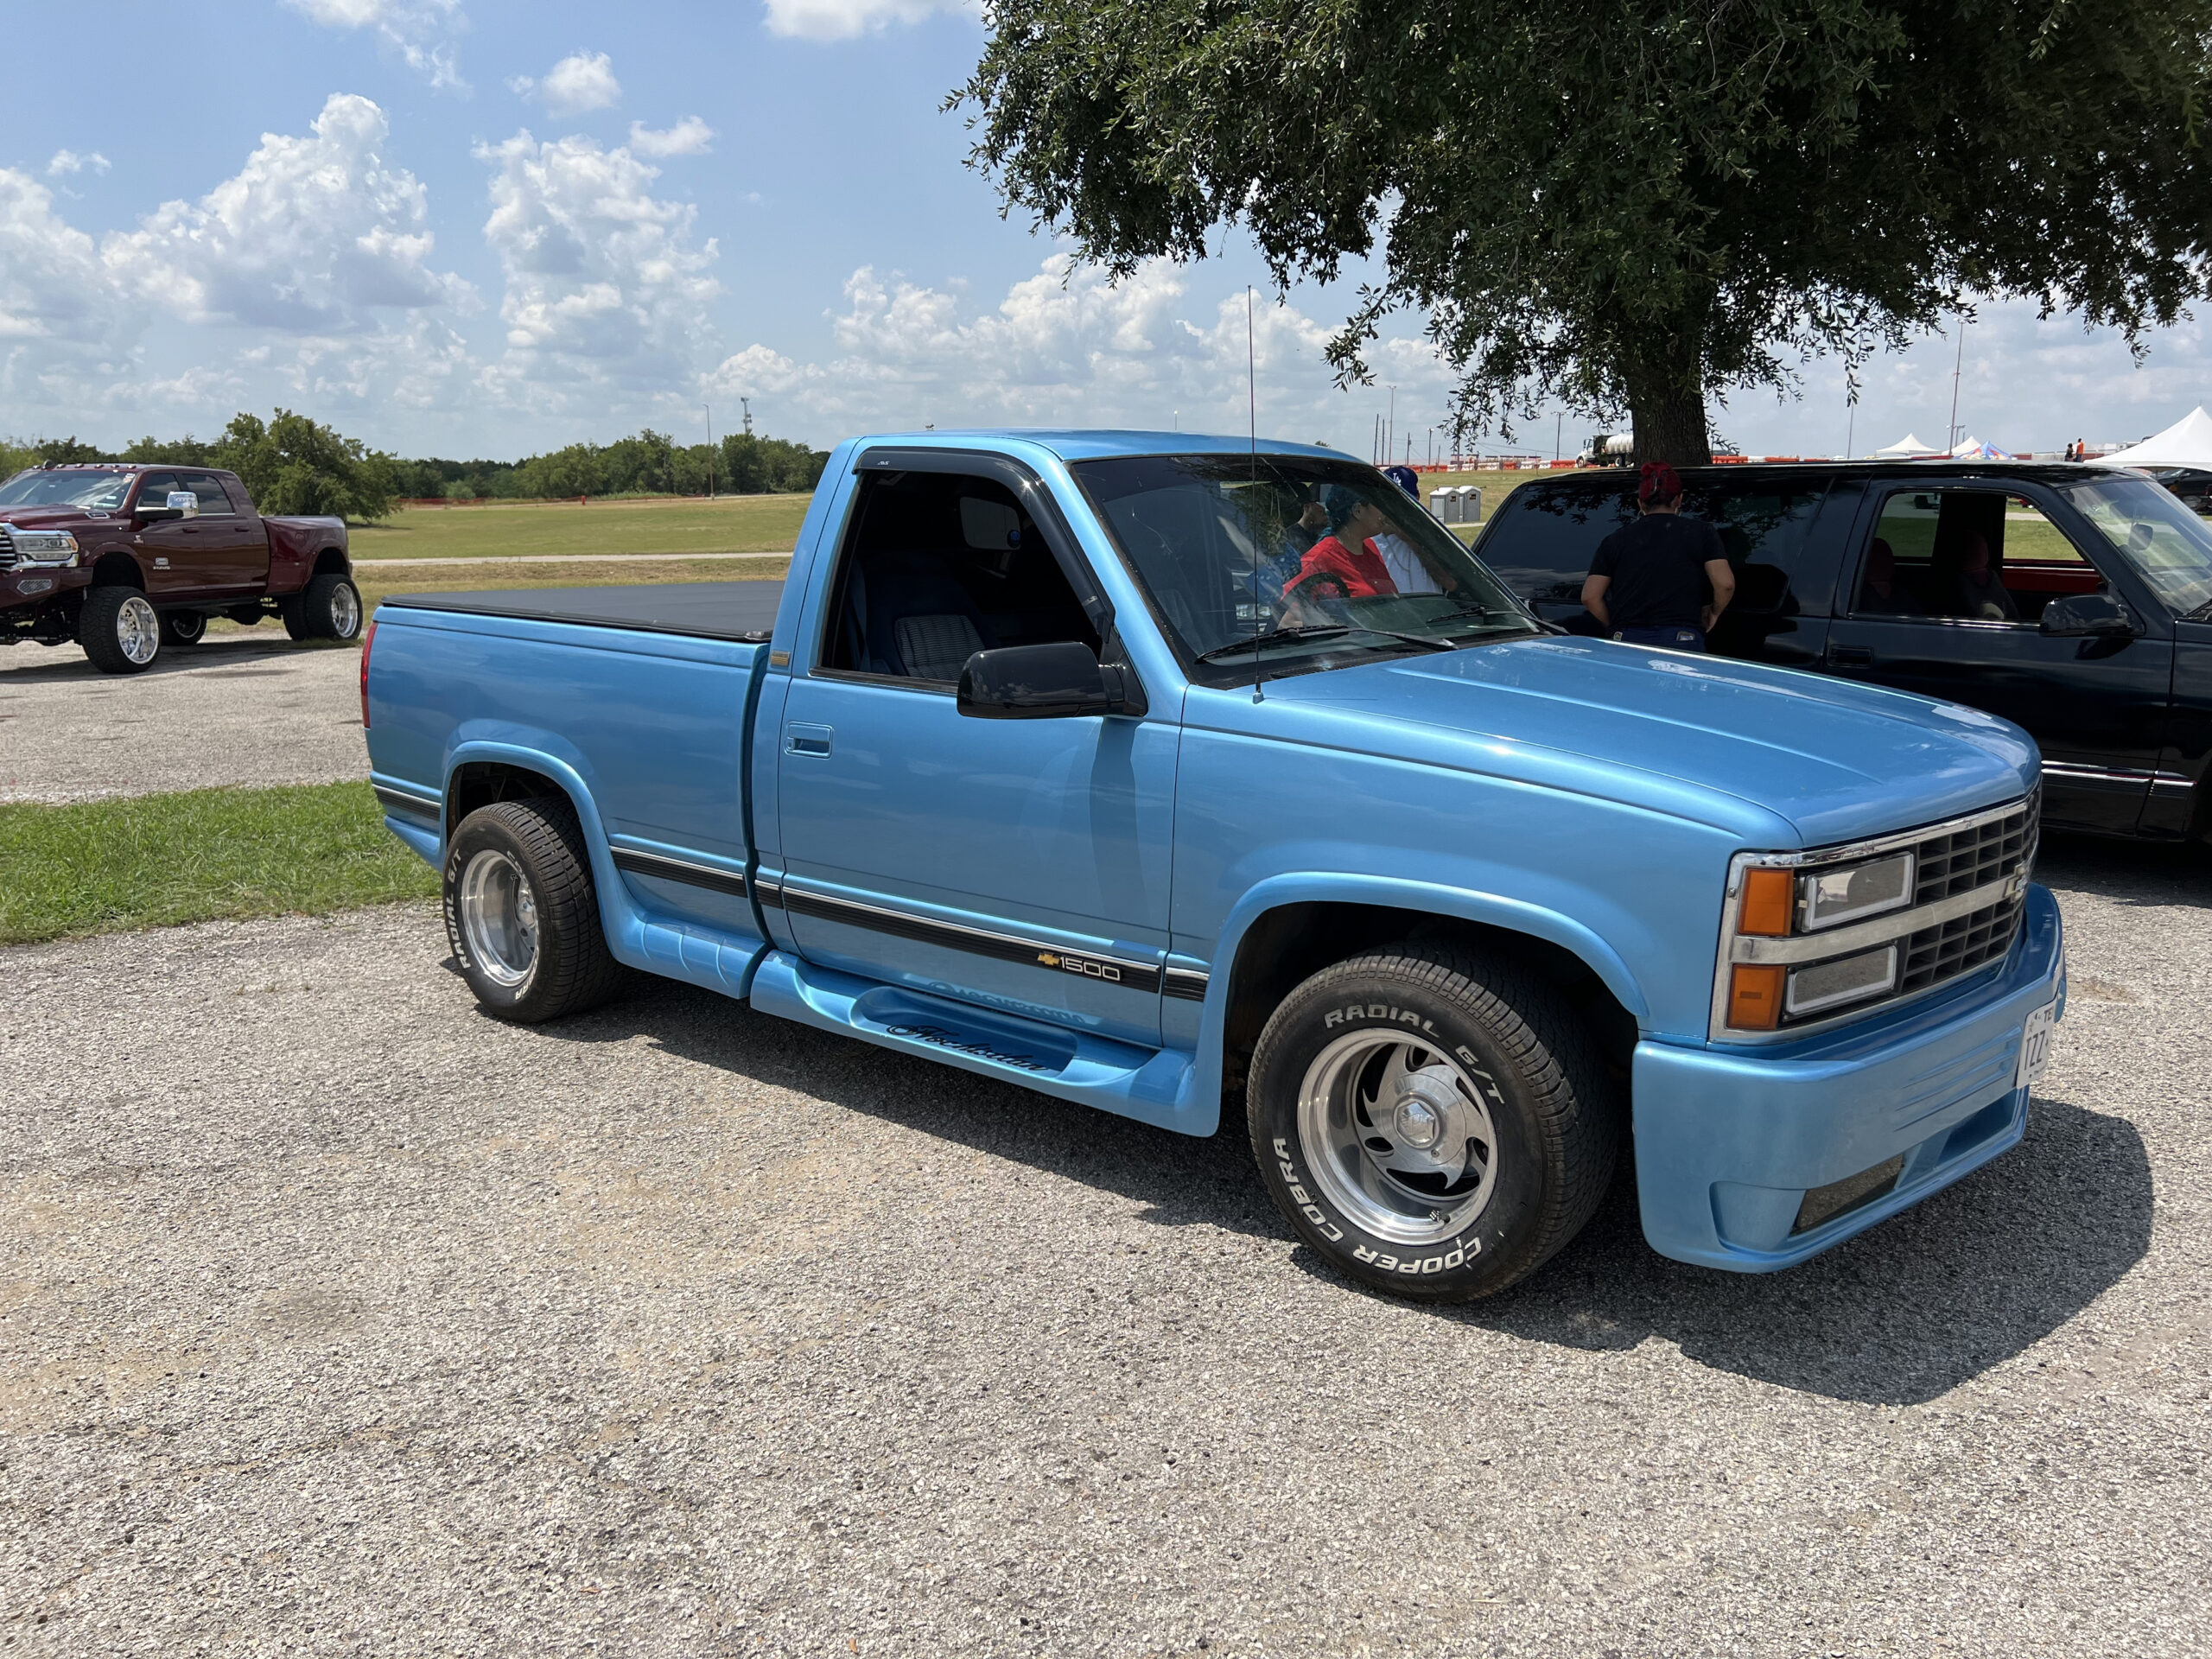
{"x": 1436, "y": 1121}
{"x": 118, "y": 630}
{"x": 522, "y": 915}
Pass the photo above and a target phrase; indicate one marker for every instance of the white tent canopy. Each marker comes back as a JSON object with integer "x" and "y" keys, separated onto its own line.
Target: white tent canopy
{"x": 2187, "y": 443}
{"x": 1907, "y": 445}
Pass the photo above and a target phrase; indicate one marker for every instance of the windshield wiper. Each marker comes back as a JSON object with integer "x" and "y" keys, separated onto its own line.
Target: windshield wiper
{"x": 1316, "y": 631}
{"x": 1484, "y": 613}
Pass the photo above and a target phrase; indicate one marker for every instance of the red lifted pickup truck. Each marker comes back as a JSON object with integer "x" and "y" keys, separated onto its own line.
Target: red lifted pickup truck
{"x": 124, "y": 559}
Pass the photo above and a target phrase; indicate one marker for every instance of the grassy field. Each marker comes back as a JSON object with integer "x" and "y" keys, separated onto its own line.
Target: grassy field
{"x": 376, "y": 584}
{"x": 732, "y": 524}
{"x": 154, "y": 861}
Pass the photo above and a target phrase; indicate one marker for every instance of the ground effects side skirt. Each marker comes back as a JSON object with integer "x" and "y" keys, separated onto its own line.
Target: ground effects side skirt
{"x": 1142, "y": 977}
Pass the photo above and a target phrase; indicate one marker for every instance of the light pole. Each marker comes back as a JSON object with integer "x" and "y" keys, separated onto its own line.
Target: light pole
{"x": 1957, "y": 362}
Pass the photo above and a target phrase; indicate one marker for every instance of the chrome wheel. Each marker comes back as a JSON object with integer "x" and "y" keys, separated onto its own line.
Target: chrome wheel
{"x": 138, "y": 630}
{"x": 345, "y": 612}
{"x": 498, "y": 916}
{"x": 1398, "y": 1137}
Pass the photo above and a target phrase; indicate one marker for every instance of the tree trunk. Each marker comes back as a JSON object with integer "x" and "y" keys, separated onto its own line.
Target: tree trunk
{"x": 1668, "y": 415}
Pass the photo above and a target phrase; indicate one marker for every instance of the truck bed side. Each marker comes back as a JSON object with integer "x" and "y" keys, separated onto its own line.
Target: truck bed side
{"x": 299, "y": 548}
{"x": 589, "y": 693}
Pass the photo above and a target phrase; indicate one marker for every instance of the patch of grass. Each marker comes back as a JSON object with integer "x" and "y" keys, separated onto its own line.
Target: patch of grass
{"x": 155, "y": 861}
{"x": 729, "y": 523}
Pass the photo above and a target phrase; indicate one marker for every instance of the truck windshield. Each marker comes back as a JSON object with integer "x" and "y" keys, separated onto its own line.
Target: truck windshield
{"x": 2146, "y": 525}
{"x": 1284, "y": 565}
{"x": 96, "y": 492}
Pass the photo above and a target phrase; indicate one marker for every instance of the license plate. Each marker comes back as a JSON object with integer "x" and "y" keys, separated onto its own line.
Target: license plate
{"x": 2035, "y": 1047}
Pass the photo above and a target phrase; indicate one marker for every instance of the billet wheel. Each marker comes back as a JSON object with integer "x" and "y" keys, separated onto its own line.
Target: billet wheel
{"x": 329, "y": 607}
{"x": 119, "y": 629}
{"x": 183, "y": 627}
{"x": 521, "y": 912}
{"x": 1435, "y": 1121}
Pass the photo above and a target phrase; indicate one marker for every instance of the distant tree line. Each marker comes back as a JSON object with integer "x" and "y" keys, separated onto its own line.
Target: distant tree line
{"x": 295, "y": 465}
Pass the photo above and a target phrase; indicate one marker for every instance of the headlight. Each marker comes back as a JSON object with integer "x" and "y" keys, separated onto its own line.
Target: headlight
{"x": 42, "y": 546}
{"x": 1778, "y": 903}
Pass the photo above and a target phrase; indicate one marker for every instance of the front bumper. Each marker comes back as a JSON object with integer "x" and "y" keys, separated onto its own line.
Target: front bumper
{"x": 1729, "y": 1141}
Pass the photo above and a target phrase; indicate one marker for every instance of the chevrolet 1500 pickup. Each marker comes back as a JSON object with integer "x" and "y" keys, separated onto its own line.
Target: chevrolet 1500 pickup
{"x": 1158, "y": 772}
{"x": 124, "y": 559}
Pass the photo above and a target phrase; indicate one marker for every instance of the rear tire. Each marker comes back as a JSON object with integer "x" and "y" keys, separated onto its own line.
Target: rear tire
{"x": 522, "y": 915}
{"x": 1433, "y": 1120}
{"x": 183, "y": 627}
{"x": 329, "y": 609}
{"x": 119, "y": 631}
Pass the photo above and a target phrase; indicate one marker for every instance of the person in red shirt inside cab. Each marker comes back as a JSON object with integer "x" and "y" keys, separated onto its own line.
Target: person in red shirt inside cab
{"x": 1344, "y": 564}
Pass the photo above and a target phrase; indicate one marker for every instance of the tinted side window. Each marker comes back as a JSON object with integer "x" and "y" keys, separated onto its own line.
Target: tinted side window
{"x": 938, "y": 566}
{"x": 1541, "y": 542}
{"x": 209, "y": 489}
{"x": 153, "y": 489}
{"x": 1781, "y": 569}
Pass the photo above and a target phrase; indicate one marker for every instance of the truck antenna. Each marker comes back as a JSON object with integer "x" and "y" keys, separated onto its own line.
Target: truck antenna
{"x": 1252, "y": 426}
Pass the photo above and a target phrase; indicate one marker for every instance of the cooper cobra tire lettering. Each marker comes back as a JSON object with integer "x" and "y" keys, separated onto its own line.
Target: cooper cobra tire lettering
{"x": 1523, "y": 1049}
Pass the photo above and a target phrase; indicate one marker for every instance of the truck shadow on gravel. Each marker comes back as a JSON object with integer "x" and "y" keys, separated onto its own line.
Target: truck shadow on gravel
{"x": 1899, "y": 1316}
{"x": 2140, "y": 875}
{"x": 64, "y": 664}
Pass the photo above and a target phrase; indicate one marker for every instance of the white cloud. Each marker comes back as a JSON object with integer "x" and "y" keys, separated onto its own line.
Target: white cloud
{"x": 845, "y": 20}
{"x": 68, "y": 161}
{"x": 62, "y": 324}
{"x": 579, "y": 83}
{"x": 421, "y": 31}
{"x": 313, "y": 235}
{"x": 607, "y": 294}
{"x": 1066, "y": 346}
{"x": 689, "y": 137}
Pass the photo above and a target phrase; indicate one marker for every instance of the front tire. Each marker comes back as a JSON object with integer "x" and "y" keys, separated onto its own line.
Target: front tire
{"x": 119, "y": 631}
{"x": 522, "y": 915}
{"x": 328, "y": 608}
{"x": 1434, "y": 1121}
{"x": 183, "y": 627}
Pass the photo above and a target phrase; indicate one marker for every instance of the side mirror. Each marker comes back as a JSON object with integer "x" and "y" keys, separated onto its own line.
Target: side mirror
{"x": 184, "y": 503}
{"x": 2099, "y": 616}
{"x": 1040, "y": 683}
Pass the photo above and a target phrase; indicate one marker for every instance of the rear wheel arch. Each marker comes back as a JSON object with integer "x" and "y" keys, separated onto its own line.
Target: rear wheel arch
{"x": 331, "y": 562}
{"x": 1287, "y": 945}
{"x": 480, "y": 783}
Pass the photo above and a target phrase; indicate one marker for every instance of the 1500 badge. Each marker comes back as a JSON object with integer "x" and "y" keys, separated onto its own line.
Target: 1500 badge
{"x": 1083, "y": 965}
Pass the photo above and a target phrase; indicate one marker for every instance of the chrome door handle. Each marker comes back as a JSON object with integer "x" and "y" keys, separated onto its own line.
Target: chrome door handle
{"x": 802, "y": 737}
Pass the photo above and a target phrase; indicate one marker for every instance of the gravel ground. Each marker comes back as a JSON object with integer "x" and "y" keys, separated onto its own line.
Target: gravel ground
{"x": 240, "y": 709}
{"x": 370, "y": 1326}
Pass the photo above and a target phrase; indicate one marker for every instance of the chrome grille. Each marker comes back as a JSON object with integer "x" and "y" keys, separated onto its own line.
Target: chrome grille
{"x": 7, "y": 549}
{"x": 1936, "y": 953}
{"x": 1972, "y": 858}
{"x": 1968, "y": 901}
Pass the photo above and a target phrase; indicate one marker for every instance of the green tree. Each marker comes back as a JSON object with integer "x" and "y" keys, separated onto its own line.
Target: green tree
{"x": 1626, "y": 204}
{"x": 187, "y": 451}
{"x": 295, "y": 465}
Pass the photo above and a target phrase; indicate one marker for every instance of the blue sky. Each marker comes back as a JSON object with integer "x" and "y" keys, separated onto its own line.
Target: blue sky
{"x": 473, "y": 227}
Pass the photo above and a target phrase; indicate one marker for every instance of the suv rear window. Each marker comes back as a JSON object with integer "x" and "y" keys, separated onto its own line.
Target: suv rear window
{"x": 1543, "y": 538}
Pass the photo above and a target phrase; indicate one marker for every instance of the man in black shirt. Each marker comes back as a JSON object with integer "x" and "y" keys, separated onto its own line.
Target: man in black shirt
{"x": 1649, "y": 581}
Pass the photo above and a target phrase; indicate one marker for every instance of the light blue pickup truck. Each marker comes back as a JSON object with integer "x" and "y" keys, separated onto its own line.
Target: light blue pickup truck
{"x": 1156, "y": 772}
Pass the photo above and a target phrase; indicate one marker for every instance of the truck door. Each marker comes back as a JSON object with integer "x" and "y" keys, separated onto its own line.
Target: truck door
{"x": 178, "y": 559}
{"x": 238, "y": 545}
{"x": 1022, "y": 865}
{"x": 1948, "y": 590}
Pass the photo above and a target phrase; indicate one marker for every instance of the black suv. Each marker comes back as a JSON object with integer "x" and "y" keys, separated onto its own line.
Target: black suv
{"x": 2075, "y": 600}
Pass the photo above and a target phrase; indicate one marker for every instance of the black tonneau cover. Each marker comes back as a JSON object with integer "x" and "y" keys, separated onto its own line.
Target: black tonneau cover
{"x": 744, "y": 611}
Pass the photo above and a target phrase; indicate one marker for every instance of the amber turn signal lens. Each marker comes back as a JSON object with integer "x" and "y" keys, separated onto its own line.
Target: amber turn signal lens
{"x": 1755, "y": 996}
{"x": 1769, "y": 896}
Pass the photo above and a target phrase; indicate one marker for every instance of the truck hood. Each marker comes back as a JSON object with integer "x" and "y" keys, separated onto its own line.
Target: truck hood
{"x": 48, "y": 518}
{"x": 1834, "y": 760}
